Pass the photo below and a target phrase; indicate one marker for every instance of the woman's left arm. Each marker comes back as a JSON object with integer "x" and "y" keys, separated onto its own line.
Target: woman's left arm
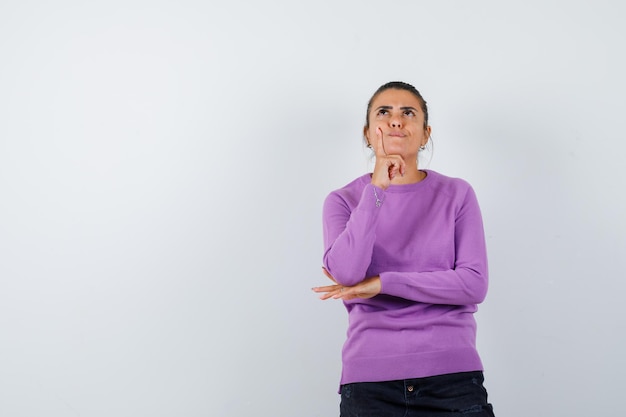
{"x": 466, "y": 282}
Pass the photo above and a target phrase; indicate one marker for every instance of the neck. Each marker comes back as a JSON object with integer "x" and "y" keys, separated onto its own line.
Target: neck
{"x": 412, "y": 175}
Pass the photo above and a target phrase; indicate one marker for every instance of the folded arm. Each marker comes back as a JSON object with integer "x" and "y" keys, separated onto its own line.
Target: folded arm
{"x": 466, "y": 282}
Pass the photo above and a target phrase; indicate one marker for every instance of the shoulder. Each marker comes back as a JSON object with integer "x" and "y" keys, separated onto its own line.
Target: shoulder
{"x": 350, "y": 194}
{"x": 451, "y": 186}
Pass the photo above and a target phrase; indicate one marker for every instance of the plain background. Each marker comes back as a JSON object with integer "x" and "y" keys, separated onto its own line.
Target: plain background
{"x": 162, "y": 171}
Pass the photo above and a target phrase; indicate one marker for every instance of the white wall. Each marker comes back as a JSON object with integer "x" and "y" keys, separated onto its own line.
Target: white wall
{"x": 163, "y": 166}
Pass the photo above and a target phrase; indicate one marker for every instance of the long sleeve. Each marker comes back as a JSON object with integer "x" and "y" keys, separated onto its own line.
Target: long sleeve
{"x": 349, "y": 223}
{"x": 465, "y": 282}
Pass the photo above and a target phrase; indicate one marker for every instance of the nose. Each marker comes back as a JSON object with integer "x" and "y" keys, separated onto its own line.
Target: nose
{"x": 395, "y": 122}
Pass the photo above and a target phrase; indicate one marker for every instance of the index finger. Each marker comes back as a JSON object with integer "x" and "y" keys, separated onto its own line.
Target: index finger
{"x": 380, "y": 144}
{"x": 327, "y": 288}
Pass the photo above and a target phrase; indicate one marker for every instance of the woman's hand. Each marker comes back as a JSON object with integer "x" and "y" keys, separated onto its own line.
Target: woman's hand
{"x": 387, "y": 167}
{"x": 367, "y": 288}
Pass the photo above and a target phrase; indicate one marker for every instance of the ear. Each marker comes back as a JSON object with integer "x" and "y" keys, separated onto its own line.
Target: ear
{"x": 367, "y": 138}
{"x": 427, "y": 133}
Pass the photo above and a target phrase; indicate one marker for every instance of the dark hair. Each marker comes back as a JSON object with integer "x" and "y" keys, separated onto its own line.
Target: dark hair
{"x": 397, "y": 85}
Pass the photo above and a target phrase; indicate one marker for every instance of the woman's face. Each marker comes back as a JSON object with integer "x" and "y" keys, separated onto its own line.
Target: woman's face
{"x": 397, "y": 116}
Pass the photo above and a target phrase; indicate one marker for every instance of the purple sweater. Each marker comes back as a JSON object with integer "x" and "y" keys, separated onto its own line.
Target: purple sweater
{"x": 426, "y": 241}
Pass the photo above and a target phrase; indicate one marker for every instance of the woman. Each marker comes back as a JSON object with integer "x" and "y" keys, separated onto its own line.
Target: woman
{"x": 405, "y": 249}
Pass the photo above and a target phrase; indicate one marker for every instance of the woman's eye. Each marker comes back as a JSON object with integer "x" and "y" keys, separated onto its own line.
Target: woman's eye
{"x": 382, "y": 112}
{"x": 410, "y": 113}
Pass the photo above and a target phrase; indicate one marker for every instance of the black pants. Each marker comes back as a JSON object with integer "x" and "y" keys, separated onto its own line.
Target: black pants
{"x": 460, "y": 394}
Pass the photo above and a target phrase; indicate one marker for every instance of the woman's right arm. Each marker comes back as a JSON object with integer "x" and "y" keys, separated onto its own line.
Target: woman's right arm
{"x": 349, "y": 234}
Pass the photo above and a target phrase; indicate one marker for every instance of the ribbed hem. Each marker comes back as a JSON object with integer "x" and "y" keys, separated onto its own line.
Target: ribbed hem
{"x": 419, "y": 365}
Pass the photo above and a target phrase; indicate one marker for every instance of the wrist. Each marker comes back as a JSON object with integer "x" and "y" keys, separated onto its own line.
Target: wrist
{"x": 377, "y": 192}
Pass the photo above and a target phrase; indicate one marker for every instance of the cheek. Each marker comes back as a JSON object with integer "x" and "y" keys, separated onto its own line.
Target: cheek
{"x": 370, "y": 134}
{"x": 374, "y": 126}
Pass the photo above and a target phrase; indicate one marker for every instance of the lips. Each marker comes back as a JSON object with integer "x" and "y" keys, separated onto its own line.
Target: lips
{"x": 396, "y": 134}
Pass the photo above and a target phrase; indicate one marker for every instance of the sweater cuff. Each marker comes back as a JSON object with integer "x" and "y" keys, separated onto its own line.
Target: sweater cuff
{"x": 372, "y": 197}
{"x": 389, "y": 286}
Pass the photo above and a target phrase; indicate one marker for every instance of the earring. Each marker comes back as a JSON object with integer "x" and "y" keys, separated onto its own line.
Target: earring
{"x": 422, "y": 147}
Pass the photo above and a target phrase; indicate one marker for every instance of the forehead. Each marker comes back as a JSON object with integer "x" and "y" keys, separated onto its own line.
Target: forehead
{"x": 396, "y": 98}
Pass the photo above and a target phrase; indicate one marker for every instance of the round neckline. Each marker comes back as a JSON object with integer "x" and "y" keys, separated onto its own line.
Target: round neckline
{"x": 401, "y": 188}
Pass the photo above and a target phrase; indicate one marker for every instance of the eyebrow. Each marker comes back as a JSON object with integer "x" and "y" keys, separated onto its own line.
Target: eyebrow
{"x": 401, "y": 108}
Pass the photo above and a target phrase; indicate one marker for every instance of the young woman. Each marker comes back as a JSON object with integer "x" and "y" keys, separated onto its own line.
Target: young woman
{"x": 405, "y": 249}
